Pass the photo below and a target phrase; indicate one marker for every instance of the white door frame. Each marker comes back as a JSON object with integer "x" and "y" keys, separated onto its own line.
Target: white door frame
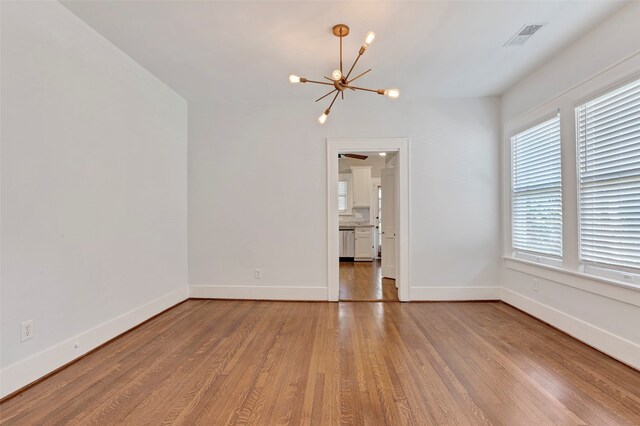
{"x": 375, "y": 213}
{"x": 374, "y": 145}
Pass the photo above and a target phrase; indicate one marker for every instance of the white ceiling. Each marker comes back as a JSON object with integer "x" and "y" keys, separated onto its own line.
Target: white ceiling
{"x": 214, "y": 51}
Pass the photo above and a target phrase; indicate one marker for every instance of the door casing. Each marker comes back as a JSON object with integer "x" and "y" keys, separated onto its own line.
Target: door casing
{"x": 372, "y": 145}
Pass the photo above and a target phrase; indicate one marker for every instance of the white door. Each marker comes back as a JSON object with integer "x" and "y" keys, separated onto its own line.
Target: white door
{"x": 388, "y": 223}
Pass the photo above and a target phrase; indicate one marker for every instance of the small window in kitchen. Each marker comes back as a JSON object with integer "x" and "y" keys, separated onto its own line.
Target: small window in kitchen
{"x": 342, "y": 196}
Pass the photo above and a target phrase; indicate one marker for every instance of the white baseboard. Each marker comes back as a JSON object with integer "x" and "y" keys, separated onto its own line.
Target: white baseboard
{"x": 455, "y": 293}
{"x": 38, "y": 365}
{"x": 615, "y": 346}
{"x": 258, "y": 292}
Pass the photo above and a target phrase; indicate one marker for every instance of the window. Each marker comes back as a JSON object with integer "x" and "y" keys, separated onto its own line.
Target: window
{"x": 342, "y": 196}
{"x": 537, "y": 190}
{"x": 608, "y": 136}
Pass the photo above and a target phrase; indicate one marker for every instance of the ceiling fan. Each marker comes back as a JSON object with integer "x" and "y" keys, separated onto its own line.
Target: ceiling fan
{"x": 341, "y": 82}
{"x": 356, "y": 156}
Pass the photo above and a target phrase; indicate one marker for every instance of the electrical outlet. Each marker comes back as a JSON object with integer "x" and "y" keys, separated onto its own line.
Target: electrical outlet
{"x": 258, "y": 274}
{"x": 26, "y": 330}
{"x": 535, "y": 285}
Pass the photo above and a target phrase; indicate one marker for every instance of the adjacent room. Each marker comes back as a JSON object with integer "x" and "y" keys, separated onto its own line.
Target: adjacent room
{"x": 364, "y": 276}
{"x": 320, "y": 213}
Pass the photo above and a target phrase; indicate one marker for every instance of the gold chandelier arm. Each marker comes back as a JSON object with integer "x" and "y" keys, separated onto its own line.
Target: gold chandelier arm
{"x": 355, "y": 78}
{"x": 324, "y": 96}
{"x": 318, "y": 82}
{"x": 378, "y": 91}
{"x": 334, "y": 99}
{"x": 341, "y": 54}
{"x": 360, "y": 53}
{"x": 342, "y": 95}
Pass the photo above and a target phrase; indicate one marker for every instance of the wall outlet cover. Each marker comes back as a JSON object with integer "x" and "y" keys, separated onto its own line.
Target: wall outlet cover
{"x": 26, "y": 330}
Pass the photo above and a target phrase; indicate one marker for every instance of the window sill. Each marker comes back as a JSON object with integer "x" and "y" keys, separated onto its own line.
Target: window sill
{"x": 538, "y": 259}
{"x": 613, "y": 289}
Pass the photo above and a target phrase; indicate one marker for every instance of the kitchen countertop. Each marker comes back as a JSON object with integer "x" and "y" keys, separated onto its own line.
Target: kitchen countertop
{"x": 353, "y": 226}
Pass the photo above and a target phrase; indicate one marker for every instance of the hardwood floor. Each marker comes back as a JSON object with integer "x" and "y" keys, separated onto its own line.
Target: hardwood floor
{"x": 363, "y": 282}
{"x": 266, "y": 363}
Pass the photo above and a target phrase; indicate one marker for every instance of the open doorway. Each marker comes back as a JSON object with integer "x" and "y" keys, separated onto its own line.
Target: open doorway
{"x": 368, "y": 217}
{"x": 366, "y": 193}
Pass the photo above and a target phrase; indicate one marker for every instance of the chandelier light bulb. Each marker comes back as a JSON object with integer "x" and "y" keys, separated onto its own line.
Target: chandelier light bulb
{"x": 392, "y": 93}
{"x": 294, "y": 79}
{"x": 369, "y": 38}
{"x": 322, "y": 118}
{"x": 336, "y": 75}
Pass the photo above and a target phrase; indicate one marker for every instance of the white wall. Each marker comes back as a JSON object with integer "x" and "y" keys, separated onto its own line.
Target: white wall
{"x": 602, "y": 314}
{"x": 603, "y": 47}
{"x": 257, "y": 193}
{"x": 94, "y": 213}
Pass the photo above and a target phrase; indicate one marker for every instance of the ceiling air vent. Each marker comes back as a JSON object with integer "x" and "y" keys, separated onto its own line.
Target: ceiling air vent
{"x": 523, "y": 35}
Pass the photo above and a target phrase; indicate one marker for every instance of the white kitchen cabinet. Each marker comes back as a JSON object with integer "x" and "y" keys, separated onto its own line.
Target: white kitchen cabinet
{"x": 364, "y": 244}
{"x": 361, "y": 184}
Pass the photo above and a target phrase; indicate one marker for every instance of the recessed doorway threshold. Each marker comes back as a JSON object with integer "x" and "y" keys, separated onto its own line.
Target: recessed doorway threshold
{"x": 363, "y": 282}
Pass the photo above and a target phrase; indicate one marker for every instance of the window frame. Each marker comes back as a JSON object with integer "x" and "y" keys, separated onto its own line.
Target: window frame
{"x": 619, "y": 273}
{"x": 529, "y": 255}
{"x": 568, "y": 271}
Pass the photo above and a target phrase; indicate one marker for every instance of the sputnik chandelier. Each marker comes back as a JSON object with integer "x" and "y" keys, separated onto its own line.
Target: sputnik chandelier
{"x": 341, "y": 82}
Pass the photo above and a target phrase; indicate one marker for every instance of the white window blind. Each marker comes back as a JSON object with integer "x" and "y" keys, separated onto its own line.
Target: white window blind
{"x": 342, "y": 196}
{"x": 608, "y": 133}
{"x": 537, "y": 190}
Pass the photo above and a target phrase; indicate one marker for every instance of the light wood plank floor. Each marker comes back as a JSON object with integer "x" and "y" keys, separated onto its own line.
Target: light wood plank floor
{"x": 265, "y": 363}
{"x": 363, "y": 282}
